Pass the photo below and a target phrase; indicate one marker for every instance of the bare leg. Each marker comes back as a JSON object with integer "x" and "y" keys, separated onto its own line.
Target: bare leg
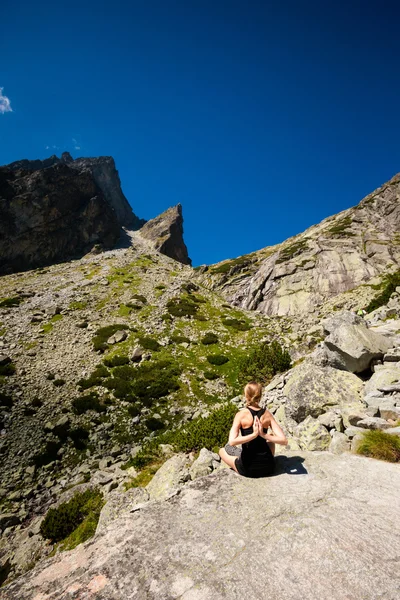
{"x": 229, "y": 460}
{"x": 272, "y": 447}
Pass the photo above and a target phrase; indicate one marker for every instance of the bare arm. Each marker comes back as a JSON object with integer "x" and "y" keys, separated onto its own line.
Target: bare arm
{"x": 235, "y": 439}
{"x": 277, "y": 436}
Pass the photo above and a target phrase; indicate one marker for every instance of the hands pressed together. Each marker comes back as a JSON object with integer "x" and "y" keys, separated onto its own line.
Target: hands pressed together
{"x": 258, "y": 429}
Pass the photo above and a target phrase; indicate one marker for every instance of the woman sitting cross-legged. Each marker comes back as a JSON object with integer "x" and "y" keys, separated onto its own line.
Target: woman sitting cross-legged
{"x": 250, "y": 429}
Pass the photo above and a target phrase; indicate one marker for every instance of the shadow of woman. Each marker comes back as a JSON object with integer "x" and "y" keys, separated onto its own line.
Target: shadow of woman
{"x": 292, "y": 465}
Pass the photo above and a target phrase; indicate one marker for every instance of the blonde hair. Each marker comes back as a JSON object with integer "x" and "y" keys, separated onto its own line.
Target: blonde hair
{"x": 252, "y": 393}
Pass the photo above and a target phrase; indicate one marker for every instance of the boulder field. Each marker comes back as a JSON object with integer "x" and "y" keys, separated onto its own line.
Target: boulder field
{"x": 322, "y": 527}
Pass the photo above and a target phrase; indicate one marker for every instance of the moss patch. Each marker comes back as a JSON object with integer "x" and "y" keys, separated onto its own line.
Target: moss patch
{"x": 380, "y": 445}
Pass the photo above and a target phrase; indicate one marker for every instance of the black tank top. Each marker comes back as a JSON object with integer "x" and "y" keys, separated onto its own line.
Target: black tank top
{"x": 257, "y": 459}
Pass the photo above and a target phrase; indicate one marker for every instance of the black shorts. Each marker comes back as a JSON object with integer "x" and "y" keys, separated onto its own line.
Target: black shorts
{"x": 255, "y": 471}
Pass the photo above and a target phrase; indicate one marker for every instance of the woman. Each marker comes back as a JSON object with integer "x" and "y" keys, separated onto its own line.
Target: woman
{"x": 250, "y": 428}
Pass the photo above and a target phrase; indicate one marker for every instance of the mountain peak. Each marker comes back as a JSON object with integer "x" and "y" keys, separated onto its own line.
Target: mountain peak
{"x": 166, "y": 231}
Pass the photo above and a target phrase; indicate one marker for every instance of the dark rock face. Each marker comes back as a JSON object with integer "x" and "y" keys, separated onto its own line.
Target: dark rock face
{"x": 105, "y": 175}
{"x": 56, "y": 209}
{"x": 166, "y": 231}
{"x": 50, "y": 215}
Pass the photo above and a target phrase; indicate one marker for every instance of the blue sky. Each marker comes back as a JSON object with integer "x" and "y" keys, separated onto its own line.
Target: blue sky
{"x": 260, "y": 117}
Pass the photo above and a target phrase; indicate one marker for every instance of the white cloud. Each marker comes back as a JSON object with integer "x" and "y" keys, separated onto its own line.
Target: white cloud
{"x": 77, "y": 147}
{"x": 5, "y": 104}
{"x": 47, "y": 147}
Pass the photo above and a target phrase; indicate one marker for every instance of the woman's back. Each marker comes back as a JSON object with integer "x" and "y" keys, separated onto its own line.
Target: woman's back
{"x": 256, "y": 459}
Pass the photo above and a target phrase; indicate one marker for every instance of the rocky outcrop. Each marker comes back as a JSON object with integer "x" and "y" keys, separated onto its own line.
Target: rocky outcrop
{"x": 339, "y": 254}
{"x": 58, "y": 209}
{"x": 105, "y": 175}
{"x": 166, "y": 233}
{"x": 195, "y": 545}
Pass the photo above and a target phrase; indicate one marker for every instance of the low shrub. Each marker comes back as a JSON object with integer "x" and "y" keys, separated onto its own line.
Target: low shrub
{"x": 116, "y": 361}
{"x": 291, "y": 251}
{"x": 261, "y": 362}
{"x": 217, "y": 359}
{"x": 6, "y": 400}
{"x": 59, "y": 382}
{"x": 143, "y": 478}
{"x": 160, "y": 286}
{"x": 236, "y": 264}
{"x": 390, "y": 282}
{"x": 60, "y": 522}
{"x": 180, "y": 339}
{"x": 341, "y": 226}
{"x": 209, "y": 338}
{"x": 124, "y": 372}
{"x": 200, "y": 317}
{"x": 133, "y": 411}
{"x": 79, "y": 437}
{"x": 121, "y": 388}
{"x": 211, "y": 375}
{"x": 182, "y": 307}
{"x": 155, "y": 379}
{"x": 238, "y": 324}
{"x": 7, "y": 369}
{"x": 209, "y": 432}
{"x": 48, "y": 454}
{"x": 95, "y": 378}
{"x": 103, "y": 334}
{"x": 154, "y": 424}
{"x": 149, "y": 343}
{"x": 139, "y": 297}
{"x": 381, "y": 445}
{"x": 91, "y": 401}
{"x": 11, "y": 302}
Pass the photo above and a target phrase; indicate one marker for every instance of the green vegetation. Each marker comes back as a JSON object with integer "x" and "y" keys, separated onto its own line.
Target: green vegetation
{"x": 209, "y": 338}
{"x": 95, "y": 378}
{"x": 146, "y": 382}
{"x": 341, "y": 226}
{"x": 154, "y": 424}
{"x": 217, "y": 359}
{"x": 5, "y": 400}
{"x": 381, "y": 445}
{"x": 116, "y": 361}
{"x": 182, "y": 307}
{"x": 388, "y": 286}
{"x": 104, "y": 333}
{"x": 133, "y": 411}
{"x": 180, "y": 339}
{"x": 211, "y": 375}
{"x": 74, "y": 521}
{"x": 236, "y": 263}
{"x": 139, "y": 297}
{"x": 10, "y": 302}
{"x": 204, "y": 432}
{"x": 149, "y": 343}
{"x": 143, "y": 478}
{"x": 79, "y": 437}
{"x": 262, "y": 362}
{"x": 160, "y": 286}
{"x": 238, "y": 324}
{"x": 7, "y": 369}
{"x": 291, "y": 251}
{"x": 91, "y": 401}
{"x": 77, "y": 305}
{"x": 59, "y": 382}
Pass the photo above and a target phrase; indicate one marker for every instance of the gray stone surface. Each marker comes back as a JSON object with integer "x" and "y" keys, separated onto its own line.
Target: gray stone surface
{"x": 353, "y": 347}
{"x": 311, "y": 390}
{"x": 170, "y": 477}
{"x": 325, "y": 532}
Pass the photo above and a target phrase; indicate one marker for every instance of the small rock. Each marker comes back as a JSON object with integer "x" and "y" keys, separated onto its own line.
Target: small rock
{"x": 119, "y": 336}
{"x": 373, "y": 423}
{"x": 8, "y": 520}
{"x": 340, "y": 443}
{"x": 137, "y": 354}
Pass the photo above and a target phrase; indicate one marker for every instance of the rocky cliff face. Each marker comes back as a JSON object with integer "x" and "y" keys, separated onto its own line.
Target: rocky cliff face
{"x": 50, "y": 215}
{"x": 105, "y": 176}
{"x": 56, "y": 209}
{"x": 337, "y": 255}
{"x": 166, "y": 233}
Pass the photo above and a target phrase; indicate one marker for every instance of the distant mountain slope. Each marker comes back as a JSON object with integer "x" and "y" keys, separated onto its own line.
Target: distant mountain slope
{"x": 60, "y": 208}
{"x": 337, "y": 255}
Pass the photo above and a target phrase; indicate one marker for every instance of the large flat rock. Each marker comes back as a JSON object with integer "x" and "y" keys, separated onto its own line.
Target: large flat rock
{"x": 324, "y": 528}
